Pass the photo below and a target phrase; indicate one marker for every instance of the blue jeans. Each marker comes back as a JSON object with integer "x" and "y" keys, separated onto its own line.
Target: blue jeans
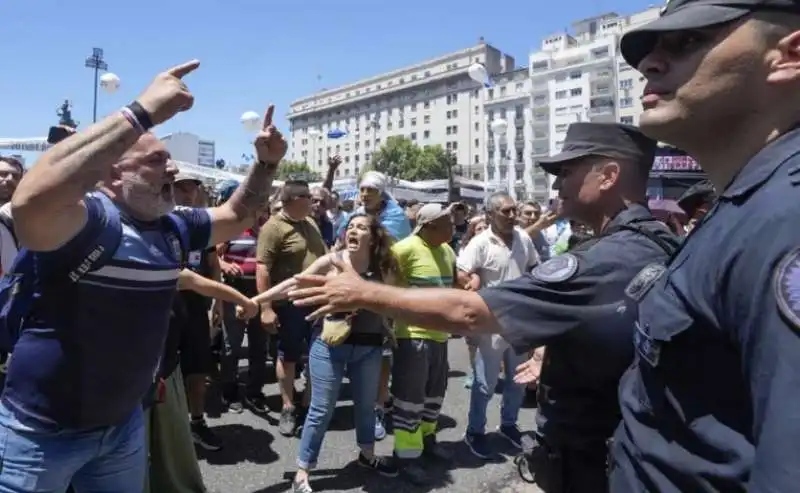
{"x": 487, "y": 368}
{"x": 327, "y": 365}
{"x": 94, "y": 461}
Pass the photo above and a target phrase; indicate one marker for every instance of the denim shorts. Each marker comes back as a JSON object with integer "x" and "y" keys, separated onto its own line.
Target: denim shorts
{"x": 294, "y": 332}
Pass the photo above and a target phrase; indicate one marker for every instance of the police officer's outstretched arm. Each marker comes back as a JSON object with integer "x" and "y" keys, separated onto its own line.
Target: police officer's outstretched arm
{"x": 762, "y": 302}
{"x": 560, "y": 295}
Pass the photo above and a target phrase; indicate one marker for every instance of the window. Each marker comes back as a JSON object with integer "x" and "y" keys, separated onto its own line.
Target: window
{"x": 626, "y": 84}
{"x": 413, "y": 135}
{"x": 561, "y": 94}
{"x": 503, "y": 91}
{"x": 477, "y": 126}
{"x": 519, "y": 111}
{"x": 626, "y": 120}
{"x": 575, "y": 75}
{"x": 426, "y": 119}
{"x": 490, "y": 94}
{"x": 426, "y": 105}
{"x": 413, "y": 122}
{"x": 625, "y": 102}
{"x": 477, "y": 143}
{"x": 577, "y": 91}
{"x": 476, "y": 159}
{"x": 518, "y": 86}
{"x": 413, "y": 106}
{"x": 426, "y": 134}
{"x": 562, "y": 127}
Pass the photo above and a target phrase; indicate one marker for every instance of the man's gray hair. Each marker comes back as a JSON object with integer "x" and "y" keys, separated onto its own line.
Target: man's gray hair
{"x": 494, "y": 200}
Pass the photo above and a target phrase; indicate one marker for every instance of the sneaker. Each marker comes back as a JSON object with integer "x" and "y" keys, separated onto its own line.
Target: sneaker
{"x": 233, "y": 404}
{"x": 435, "y": 451}
{"x": 288, "y": 422}
{"x": 203, "y": 436}
{"x": 301, "y": 487}
{"x": 478, "y": 445}
{"x": 414, "y": 473}
{"x": 382, "y": 465}
{"x": 257, "y": 403}
{"x": 512, "y": 434}
{"x": 380, "y": 426}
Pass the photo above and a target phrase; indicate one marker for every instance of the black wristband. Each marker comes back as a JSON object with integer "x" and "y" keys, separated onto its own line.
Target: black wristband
{"x": 141, "y": 114}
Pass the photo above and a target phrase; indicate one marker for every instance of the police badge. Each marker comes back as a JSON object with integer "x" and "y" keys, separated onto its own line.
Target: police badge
{"x": 786, "y": 286}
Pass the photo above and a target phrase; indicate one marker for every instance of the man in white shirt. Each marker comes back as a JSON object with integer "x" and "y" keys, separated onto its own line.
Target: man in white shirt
{"x": 501, "y": 253}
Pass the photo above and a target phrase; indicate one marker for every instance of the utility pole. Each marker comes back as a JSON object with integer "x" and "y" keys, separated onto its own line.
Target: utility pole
{"x": 97, "y": 63}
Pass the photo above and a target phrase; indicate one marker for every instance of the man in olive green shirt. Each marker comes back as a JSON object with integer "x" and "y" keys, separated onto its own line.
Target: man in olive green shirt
{"x": 287, "y": 245}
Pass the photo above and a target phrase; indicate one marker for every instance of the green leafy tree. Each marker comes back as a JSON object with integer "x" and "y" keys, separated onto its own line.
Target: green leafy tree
{"x": 400, "y": 158}
{"x": 292, "y": 170}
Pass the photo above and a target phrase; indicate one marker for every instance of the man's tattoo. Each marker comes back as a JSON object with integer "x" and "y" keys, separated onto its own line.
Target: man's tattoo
{"x": 252, "y": 196}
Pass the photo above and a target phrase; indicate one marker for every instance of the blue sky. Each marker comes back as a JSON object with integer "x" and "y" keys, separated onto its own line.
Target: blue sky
{"x": 251, "y": 52}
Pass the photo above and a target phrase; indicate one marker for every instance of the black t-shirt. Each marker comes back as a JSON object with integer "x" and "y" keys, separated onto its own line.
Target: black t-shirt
{"x": 198, "y": 262}
{"x": 177, "y": 318}
{"x": 459, "y": 230}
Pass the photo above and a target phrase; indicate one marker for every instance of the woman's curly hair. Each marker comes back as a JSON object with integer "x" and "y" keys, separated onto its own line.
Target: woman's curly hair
{"x": 381, "y": 258}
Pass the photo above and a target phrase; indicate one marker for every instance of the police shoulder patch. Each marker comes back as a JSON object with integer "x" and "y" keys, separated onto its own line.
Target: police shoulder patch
{"x": 786, "y": 285}
{"x": 558, "y": 269}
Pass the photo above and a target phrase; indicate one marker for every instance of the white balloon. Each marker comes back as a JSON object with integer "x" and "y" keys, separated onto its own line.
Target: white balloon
{"x": 499, "y": 126}
{"x": 478, "y": 73}
{"x": 109, "y": 82}
{"x": 251, "y": 121}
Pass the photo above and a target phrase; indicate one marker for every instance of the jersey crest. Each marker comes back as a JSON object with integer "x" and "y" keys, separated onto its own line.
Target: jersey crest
{"x": 786, "y": 285}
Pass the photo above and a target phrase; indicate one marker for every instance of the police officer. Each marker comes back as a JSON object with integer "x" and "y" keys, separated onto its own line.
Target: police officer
{"x": 573, "y": 303}
{"x": 711, "y": 401}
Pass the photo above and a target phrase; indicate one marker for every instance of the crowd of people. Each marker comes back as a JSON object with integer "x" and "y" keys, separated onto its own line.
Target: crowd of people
{"x": 662, "y": 349}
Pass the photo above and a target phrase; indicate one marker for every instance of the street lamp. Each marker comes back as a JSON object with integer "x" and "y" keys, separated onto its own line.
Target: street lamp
{"x": 499, "y": 127}
{"x": 97, "y": 63}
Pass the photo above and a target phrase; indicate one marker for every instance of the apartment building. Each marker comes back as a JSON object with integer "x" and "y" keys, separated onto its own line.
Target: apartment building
{"x": 432, "y": 102}
{"x": 578, "y": 76}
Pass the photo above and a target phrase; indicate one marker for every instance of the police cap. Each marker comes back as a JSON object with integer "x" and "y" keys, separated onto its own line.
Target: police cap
{"x": 681, "y": 15}
{"x": 613, "y": 140}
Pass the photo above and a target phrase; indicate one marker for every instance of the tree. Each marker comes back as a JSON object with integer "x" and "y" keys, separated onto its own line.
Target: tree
{"x": 400, "y": 158}
{"x": 291, "y": 170}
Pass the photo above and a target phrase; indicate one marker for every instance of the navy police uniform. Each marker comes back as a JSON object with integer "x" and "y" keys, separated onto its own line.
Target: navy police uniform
{"x": 710, "y": 403}
{"x": 576, "y": 306}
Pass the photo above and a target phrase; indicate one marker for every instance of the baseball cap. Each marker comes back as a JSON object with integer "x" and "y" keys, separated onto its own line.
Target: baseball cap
{"x": 682, "y": 15}
{"x": 613, "y": 140}
{"x": 187, "y": 177}
{"x": 429, "y": 213}
{"x": 696, "y": 195}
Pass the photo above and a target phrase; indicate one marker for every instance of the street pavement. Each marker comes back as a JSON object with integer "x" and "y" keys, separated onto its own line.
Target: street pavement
{"x": 257, "y": 459}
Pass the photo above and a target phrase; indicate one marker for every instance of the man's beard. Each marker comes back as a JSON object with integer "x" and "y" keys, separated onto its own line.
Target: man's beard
{"x": 144, "y": 200}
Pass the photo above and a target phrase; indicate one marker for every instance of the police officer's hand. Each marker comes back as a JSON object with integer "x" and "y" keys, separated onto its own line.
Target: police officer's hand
{"x": 339, "y": 293}
{"x": 530, "y": 371}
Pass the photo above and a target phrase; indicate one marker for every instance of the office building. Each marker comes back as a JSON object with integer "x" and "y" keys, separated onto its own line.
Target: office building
{"x": 432, "y": 102}
{"x": 190, "y": 148}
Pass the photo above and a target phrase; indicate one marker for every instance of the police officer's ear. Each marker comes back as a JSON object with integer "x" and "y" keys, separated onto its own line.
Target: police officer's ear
{"x": 608, "y": 173}
{"x": 783, "y": 38}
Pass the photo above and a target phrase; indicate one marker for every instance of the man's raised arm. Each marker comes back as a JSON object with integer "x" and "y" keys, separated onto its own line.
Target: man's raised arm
{"x": 47, "y": 206}
{"x": 252, "y": 196}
